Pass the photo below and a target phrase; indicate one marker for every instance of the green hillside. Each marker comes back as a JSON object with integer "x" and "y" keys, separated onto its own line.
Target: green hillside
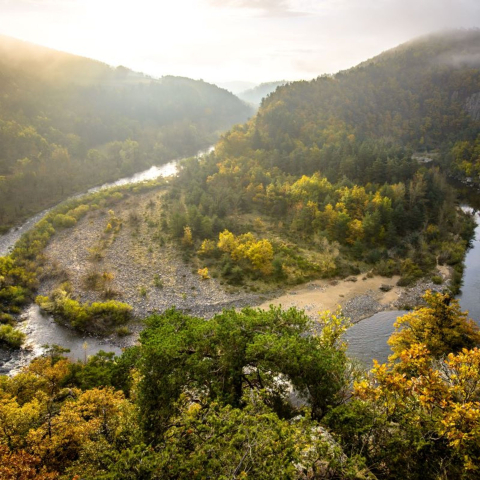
{"x": 419, "y": 95}
{"x": 326, "y": 172}
{"x": 68, "y": 122}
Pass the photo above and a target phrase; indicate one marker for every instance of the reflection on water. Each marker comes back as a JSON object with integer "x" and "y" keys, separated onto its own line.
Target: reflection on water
{"x": 469, "y": 296}
{"x": 42, "y": 329}
{"x": 367, "y": 339}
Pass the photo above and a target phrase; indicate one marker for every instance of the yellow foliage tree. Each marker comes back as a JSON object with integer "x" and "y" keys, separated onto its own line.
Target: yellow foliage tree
{"x": 440, "y": 325}
{"x": 261, "y": 255}
{"x": 436, "y": 401}
{"x": 187, "y": 239}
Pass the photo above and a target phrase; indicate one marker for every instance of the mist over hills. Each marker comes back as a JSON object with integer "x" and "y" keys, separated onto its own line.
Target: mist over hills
{"x": 71, "y": 115}
{"x": 256, "y": 94}
{"x": 420, "y": 95}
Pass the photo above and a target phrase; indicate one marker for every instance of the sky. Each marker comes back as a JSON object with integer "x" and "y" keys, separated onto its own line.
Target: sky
{"x": 231, "y": 40}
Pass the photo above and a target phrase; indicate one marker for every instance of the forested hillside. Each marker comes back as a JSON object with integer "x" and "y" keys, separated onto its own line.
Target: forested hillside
{"x": 67, "y": 122}
{"x": 420, "y": 96}
{"x": 326, "y": 171}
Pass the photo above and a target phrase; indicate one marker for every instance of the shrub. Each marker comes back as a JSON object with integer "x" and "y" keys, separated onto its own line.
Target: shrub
{"x": 157, "y": 281}
{"x": 386, "y": 268}
{"x": 203, "y": 272}
{"x": 98, "y": 316}
{"x": 11, "y": 337}
{"x": 63, "y": 221}
{"x": 123, "y": 331}
{"x": 7, "y": 319}
{"x": 92, "y": 280}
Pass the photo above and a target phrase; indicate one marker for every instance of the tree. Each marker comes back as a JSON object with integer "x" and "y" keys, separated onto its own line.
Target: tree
{"x": 232, "y": 353}
{"x": 424, "y": 415}
{"x": 20, "y": 465}
{"x": 441, "y": 326}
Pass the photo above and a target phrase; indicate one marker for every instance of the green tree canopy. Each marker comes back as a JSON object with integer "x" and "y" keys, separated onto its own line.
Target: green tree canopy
{"x": 272, "y": 351}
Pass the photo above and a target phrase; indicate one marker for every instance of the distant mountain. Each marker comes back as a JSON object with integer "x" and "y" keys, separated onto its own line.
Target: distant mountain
{"x": 256, "y": 94}
{"x": 236, "y": 86}
{"x": 67, "y": 122}
{"x": 423, "y": 95}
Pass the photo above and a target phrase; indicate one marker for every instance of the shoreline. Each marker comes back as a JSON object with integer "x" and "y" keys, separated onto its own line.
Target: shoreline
{"x": 358, "y": 296}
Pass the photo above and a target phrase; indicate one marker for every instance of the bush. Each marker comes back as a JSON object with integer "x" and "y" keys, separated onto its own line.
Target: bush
{"x": 99, "y": 316}
{"x": 410, "y": 273}
{"x": 437, "y": 279}
{"x": 157, "y": 281}
{"x": 123, "y": 331}
{"x": 6, "y": 319}
{"x": 63, "y": 221}
{"x": 11, "y": 337}
{"x": 386, "y": 268}
{"x": 92, "y": 280}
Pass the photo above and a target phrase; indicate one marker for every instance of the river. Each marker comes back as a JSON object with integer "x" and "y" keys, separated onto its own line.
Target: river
{"x": 42, "y": 329}
{"x": 368, "y": 339}
{"x": 8, "y": 240}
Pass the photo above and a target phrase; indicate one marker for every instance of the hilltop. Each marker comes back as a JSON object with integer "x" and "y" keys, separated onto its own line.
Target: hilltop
{"x": 68, "y": 122}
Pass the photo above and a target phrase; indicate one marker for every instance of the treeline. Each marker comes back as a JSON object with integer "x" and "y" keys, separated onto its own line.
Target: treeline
{"x": 67, "y": 123}
{"x": 328, "y": 169}
{"x": 251, "y": 394}
{"x": 21, "y": 269}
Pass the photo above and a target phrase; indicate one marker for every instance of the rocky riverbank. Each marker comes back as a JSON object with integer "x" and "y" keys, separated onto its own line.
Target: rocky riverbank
{"x": 133, "y": 262}
{"x": 125, "y": 255}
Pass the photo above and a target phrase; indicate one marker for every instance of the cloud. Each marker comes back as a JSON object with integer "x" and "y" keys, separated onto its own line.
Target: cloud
{"x": 36, "y": 5}
{"x": 270, "y": 8}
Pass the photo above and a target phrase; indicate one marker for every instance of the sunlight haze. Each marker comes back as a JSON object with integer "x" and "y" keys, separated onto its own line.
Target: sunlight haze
{"x": 231, "y": 40}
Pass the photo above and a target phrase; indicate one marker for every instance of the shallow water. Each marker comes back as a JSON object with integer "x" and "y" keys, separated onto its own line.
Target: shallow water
{"x": 42, "y": 329}
{"x": 368, "y": 338}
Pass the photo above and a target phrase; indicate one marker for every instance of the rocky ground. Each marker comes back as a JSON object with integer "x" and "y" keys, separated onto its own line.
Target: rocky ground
{"x": 146, "y": 271}
{"x": 141, "y": 267}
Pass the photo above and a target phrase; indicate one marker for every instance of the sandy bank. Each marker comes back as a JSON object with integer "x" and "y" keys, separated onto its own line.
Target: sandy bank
{"x": 358, "y": 296}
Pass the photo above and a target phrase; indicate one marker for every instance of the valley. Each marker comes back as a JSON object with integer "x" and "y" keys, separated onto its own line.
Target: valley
{"x": 287, "y": 303}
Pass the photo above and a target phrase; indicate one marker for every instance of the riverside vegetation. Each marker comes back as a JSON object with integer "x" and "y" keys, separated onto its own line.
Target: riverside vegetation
{"x": 251, "y": 394}
{"x": 322, "y": 182}
{"x": 67, "y": 123}
{"x": 244, "y": 213}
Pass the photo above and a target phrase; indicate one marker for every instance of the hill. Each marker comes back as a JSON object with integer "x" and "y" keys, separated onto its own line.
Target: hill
{"x": 69, "y": 122}
{"x": 328, "y": 173}
{"x": 256, "y": 94}
{"x": 421, "y": 95}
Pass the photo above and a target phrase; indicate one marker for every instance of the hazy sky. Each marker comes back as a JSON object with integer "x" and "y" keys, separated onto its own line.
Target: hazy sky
{"x": 223, "y": 40}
